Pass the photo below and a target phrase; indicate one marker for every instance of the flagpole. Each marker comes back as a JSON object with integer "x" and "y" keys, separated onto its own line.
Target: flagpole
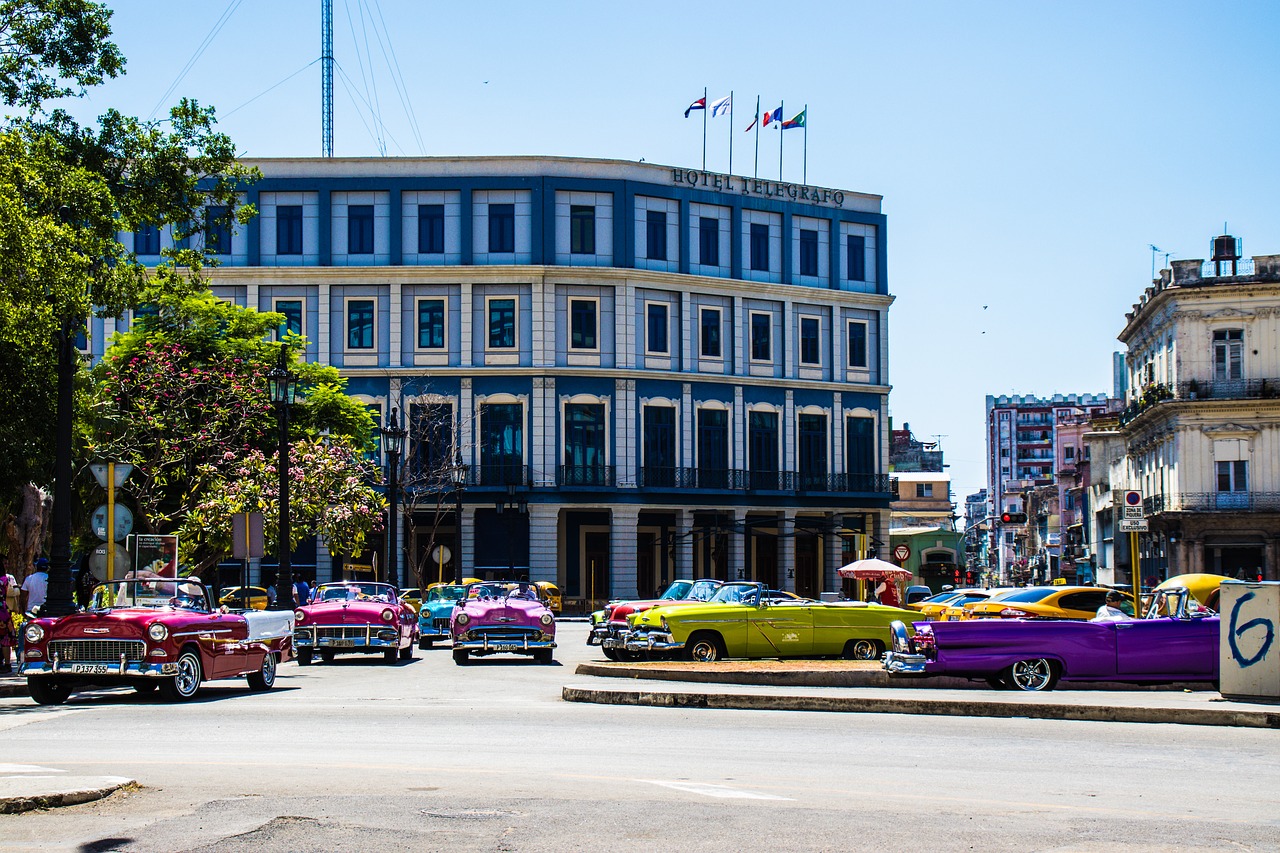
{"x": 731, "y": 128}
{"x": 782, "y": 107}
{"x": 804, "y": 175}
{"x": 755, "y": 172}
{"x": 704, "y": 128}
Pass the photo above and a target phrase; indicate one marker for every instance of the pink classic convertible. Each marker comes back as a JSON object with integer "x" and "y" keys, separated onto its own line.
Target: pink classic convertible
{"x": 502, "y": 616}
{"x": 355, "y": 616}
{"x": 152, "y": 633}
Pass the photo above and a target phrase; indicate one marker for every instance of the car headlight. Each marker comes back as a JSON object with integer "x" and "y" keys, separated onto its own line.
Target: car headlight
{"x": 547, "y": 619}
{"x": 34, "y": 633}
{"x": 463, "y": 618}
{"x": 387, "y": 616}
{"x": 157, "y": 631}
{"x": 299, "y": 617}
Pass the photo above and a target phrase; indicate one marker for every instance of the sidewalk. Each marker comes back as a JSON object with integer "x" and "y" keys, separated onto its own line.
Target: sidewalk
{"x": 828, "y": 688}
{"x": 12, "y": 685}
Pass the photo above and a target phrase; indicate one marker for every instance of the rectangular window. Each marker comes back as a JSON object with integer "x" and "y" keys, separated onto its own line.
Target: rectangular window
{"x": 860, "y": 453}
{"x": 431, "y": 442}
{"x": 710, "y": 323}
{"x": 1228, "y": 355}
{"x": 1233, "y": 476}
{"x": 431, "y": 324}
{"x": 217, "y": 230}
{"x": 502, "y": 323}
{"x": 502, "y": 444}
{"x": 856, "y": 258}
{"x": 857, "y": 344}
{"x": 659, "y": 446}
{"x": 360, "y": 229}
{"x": 924, "y": 490}
{"x": 360, "y": 319}
{"x": 713, "y": 448}
{"x": 762, "y": 449}
{"x": 146, "y": 240}
{"x": 761, "y": 332}
{"x": 582, "y": 230}
{"x": 289, "y": 229}
{"x": 502, "y": 229}
{"x": 1070, "y": 453}
{"x": 431, "y": 229}
{"x": 810, "y": 341}
{"x": 709, "y": 241}
{"x": 582, "y": 324}
{"x": 292, "y": 311}
{"x": 584, "y": 445}
{"x": 656, "y": 328}
{"x": 808, "y": 252}
{"x": 759, "y": 247}
{"x": 813, "y": 452}
{"x": 656, "y": 235}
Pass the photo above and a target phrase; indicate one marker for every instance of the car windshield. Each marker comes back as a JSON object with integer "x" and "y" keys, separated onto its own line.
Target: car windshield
{"x": 151, "y": 592}
{"x": 940, "y": 598}
{"x": 355, "y": 591}
{"x": 737, "y": 593}
{"x": 508, "y": 589}
{"x": 446, "y": 593}
{"x": 703, "y": 590}
{"x": 677, "y": 591}
{"x": 1030, "y": 595}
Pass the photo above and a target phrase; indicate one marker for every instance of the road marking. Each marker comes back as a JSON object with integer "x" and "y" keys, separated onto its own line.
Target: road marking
{"x": 720, "y": 791}
{"x": 27, "y": 768}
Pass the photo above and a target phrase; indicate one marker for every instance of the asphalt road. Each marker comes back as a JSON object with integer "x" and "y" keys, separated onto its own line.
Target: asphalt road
{"x": 426, "y": 755}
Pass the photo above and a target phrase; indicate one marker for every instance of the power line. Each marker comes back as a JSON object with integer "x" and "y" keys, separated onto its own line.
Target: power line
{"x": 273, "y": 86}
{"x": 232, "y": 5}
{"x": 356, "y": 95}
{"x": 397, "y": 77}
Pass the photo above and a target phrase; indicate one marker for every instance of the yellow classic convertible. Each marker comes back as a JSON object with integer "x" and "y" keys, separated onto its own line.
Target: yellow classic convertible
{"x": 748, "y": 620}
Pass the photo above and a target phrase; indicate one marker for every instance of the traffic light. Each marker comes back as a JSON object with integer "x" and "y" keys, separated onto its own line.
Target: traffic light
{"x": 1013, "y": 518}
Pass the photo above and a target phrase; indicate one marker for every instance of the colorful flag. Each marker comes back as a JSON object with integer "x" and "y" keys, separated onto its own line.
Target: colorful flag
{"x": 775, "y": 115}
{"x": 753, "y": 123}
{"x": 798, "y": 121}
{"x": 700, "y": 104}
{"x": 720, "y": 106}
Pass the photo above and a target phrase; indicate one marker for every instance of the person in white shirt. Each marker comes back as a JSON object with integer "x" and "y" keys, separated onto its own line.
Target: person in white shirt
{"x": 1110, "y": 611}
{"x": 36, "y": 586}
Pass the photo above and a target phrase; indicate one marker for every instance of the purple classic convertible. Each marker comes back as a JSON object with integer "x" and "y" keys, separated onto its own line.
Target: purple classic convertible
{"x": 1178, "y": 641}
{"x": 502, "y": 616}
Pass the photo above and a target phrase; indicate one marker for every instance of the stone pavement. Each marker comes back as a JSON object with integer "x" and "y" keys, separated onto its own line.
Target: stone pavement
{"x": 26, "y": 787}
{"x": 826, "y": 686}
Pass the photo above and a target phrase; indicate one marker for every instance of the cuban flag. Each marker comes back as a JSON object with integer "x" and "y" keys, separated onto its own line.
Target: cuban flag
{"x": 700, "y": 104}
{"x": 720, "y": 106}
{"x": 775, "y": 115}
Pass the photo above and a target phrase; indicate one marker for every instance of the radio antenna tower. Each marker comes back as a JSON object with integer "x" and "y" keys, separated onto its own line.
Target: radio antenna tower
{"x": 326, "y": 77}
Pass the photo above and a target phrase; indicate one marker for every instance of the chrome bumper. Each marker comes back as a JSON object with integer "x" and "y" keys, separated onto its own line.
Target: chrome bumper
{"x": 902, "y": 663}
{"x": 653, "y": 641}
{"x": 382, "y": 638}
{"x": 132, "y": 669}
{"x": 484, "y": 644}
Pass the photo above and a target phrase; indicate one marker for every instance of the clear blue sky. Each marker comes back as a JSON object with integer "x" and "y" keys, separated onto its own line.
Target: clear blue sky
{"x": 1027, "y": 152}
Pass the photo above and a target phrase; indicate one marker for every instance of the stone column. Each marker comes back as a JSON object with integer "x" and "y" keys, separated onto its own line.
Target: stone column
{"x": 738, "y": 545}
{"x": 622, "y": 551}
{"x": 684, "y": 544}
{"x": 468, "y": 555}
{"x": 395, "y": 324}
{"x": 833, "y": 554}
{"x": 787, "y": 549}
{"x": 544, "y": 542}
{"x": 1271, "y": 569}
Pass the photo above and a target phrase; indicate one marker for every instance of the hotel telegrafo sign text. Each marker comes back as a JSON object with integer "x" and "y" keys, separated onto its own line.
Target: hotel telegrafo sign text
{"x": 753, "y": 187}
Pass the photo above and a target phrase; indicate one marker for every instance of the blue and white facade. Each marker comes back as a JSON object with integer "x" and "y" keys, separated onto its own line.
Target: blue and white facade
{"x": 652, "y": 372}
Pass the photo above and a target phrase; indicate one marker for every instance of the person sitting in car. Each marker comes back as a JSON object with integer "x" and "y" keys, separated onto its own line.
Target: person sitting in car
{"x": 1110, "y": 610}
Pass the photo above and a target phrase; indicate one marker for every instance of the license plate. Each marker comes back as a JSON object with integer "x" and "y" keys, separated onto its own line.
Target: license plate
{"x": 90, "y": 669}
{"x": 504, "y": 647}
{"x": 346, "y": 644}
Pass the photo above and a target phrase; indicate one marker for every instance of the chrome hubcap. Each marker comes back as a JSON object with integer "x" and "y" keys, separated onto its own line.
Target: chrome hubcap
{"x": 864, "y": 650}
{"x": 188, "y": 678}
{"x": 1031, "y": 674}
{"x": 269, "y": 668}
{"x": 704, "y": 652}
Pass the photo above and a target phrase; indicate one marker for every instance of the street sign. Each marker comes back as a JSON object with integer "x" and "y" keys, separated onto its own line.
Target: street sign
{"x": 441, "y": 554}
{"x": 1133, "y": 512}
{"x": 901, "y": 552}
{"x": 123, "y": 525}
{"x": 247, "y": 543}
{"x": 1133, "y": 525}
{"x": 98, "y": 561}
{"x": 122, "y": 472}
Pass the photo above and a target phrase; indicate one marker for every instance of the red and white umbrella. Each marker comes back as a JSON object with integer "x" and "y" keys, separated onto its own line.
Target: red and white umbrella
{"x": 874, "y": 570}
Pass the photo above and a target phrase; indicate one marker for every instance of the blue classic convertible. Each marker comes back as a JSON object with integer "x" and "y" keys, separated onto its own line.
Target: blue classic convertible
{"x": 437, "y": 608}
{"x": 1178, "y": 641}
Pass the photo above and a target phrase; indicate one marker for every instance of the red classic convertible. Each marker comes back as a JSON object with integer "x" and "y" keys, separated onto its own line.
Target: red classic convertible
{"x": 355, "y": 616}
{"x": 152, "y": 633}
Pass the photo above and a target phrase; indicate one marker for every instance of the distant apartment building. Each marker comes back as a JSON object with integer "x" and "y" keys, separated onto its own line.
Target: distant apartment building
{"x": 1023, "y": 453}
{"x": 922, "y": 517}
{"x": 1199, "y": 436}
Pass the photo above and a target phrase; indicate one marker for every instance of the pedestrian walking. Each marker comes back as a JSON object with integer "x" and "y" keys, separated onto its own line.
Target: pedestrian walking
{"x": 36, "y": 587}
{"x": 301, "y": 591}
{"x": 10, "y": 598}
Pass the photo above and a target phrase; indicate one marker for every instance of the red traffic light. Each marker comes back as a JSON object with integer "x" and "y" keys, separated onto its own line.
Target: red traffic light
{"x": 1013, "y": 518}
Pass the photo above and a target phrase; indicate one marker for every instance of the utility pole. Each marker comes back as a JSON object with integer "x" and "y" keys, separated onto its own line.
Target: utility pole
{"x": 326, "y": 78}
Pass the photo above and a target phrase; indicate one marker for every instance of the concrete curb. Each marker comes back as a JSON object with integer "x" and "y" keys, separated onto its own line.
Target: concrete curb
{"x": 56, "y": 796}
{"x": 10, "y": 687}
{"x": 925, "y": 706}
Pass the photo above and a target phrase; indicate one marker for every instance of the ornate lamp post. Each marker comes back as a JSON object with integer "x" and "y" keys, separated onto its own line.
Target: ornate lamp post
{"x": 393, "y": 443}
{"x": 459, "y": 474}
{"x": 283, "y": 386}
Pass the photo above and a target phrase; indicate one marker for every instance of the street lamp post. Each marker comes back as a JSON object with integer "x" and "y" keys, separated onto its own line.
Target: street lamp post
{"x": 459, "y": 474}
{"x": 393, "y": 442}
{"x": 58, "y": 601}
{"x": 283, "y": 385}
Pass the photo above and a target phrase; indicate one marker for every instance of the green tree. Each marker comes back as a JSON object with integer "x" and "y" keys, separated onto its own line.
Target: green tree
{"x": 182, "y": 396}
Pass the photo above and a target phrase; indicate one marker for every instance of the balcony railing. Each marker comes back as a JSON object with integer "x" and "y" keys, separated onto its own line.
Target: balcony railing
{"x": 1212, "y": 502}
{"x": 499, "y": 474}
{"x": 1195, "y": 389}
{"x": 653, "y": 477}
{"x": 586, "y": 475}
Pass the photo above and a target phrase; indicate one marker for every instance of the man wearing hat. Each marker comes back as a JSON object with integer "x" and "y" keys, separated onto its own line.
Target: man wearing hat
{"x": 1110, "y": 611}
{"x": 36, "y": 587}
